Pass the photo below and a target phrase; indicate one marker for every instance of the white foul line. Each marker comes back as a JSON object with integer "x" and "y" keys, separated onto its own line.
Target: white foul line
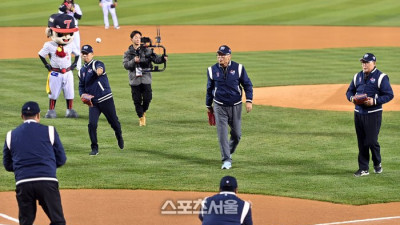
{"x": 358, "y": 221}
{"x": 9, "y": 218}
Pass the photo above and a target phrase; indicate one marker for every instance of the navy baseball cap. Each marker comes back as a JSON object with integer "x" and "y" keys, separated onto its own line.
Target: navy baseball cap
{"x": 30, "y": 109}
{"x": 63, "y": 23}
{"x": 50, "y": 22}
{"x": 368, "y": 57}
{"x": 224, "y": 49}
{"x": 87, "y": 49}
{"x": 228, "y": 183}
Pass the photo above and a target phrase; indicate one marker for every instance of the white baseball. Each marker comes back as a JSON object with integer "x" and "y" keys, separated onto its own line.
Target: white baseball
{"x": 98, "y": 40}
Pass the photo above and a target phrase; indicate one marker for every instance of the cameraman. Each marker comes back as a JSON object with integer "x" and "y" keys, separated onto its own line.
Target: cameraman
{"x": 138, "y": 61}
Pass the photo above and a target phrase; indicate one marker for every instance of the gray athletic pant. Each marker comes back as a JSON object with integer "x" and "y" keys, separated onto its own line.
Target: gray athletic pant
{"x": 224, "y": 116}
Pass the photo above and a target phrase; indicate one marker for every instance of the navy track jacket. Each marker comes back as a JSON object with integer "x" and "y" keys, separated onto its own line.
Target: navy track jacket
{"x": 376, "y": 86}
{"x": 225, "y": 208}
{"x": 90, "y": 83}
{"x": 29, "y": 152}
{"x": 225, "y": 87}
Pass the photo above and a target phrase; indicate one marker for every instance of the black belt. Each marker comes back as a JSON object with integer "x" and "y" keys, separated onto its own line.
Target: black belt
{"x": 60, "y": 70}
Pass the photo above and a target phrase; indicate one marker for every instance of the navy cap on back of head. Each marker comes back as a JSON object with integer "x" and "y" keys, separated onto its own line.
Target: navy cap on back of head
{"x": 224, "y": 49}
{"x": 368, "y": 57}
{"x": 64, "y": 23}
{"x": 87, "y": 49}
{"x": 228, "y": 183}
{"x": 30, "y": 109}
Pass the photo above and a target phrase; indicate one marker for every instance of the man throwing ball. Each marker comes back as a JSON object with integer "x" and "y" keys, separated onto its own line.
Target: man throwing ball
{"x": 95, "y": 91}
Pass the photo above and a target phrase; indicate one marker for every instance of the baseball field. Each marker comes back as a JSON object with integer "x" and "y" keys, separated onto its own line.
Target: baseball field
{"x": 298, "y": 151}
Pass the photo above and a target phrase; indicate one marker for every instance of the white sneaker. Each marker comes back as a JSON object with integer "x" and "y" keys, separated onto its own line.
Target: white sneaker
{"x": 227, "y": 165}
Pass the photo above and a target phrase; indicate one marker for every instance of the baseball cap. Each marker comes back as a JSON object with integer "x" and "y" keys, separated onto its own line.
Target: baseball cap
{"x": 63, "y": 23}
{"x": 87, "y": 49}
{"x": 30, "y": 109}
{"x": 50, "y": 22}
{"x": 368, "y": 57}
{"x": 228, "y": 183}
{"x": 224, "y": 49}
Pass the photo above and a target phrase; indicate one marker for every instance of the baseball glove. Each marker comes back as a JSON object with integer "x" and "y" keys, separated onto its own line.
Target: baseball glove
{"x": 87, "y": 99}
{"x": 360, "y": 99}
{"x": 211, "y": 119}
{"x": 113, "y": 5}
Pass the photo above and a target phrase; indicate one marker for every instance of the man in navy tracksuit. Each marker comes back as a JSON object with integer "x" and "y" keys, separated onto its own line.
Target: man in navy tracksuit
{"x": 34, "y": 152}
{"x": 368, "y": 116}
{"x": 93, "y": 81}
{"x": 224, "y": 87}
{"x": 225, "y": 208}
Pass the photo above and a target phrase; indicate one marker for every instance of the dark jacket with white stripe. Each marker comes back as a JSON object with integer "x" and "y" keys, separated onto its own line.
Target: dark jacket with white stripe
{"x": 91, "y": 83}
{"x": 33, "y": 152}
{"x": 224, "y": 87}
{"x": 376, "y": 85}
{"x": 225, "y": 208}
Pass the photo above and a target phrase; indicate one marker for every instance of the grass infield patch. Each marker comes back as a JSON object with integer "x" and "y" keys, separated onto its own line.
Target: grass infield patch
{"x": 285, "y": 152}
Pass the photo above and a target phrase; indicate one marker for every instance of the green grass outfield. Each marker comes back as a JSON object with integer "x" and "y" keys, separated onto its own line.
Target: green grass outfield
{"x": 285, "y": 152}
{"x": 255, "y": 12}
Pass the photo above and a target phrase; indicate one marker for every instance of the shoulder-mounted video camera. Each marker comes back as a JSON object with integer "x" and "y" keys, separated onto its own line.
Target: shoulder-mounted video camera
{"x": 145, "y": 42}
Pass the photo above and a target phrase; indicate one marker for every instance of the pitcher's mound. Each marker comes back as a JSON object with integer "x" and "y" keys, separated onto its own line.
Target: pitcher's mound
{"x": 321, "y": 97}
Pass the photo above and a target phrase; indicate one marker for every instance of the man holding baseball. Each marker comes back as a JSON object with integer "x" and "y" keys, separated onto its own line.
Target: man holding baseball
{"x": 376, "y": 88}
{"x": 225, "y": 83}
{"x": 95, "y": 91}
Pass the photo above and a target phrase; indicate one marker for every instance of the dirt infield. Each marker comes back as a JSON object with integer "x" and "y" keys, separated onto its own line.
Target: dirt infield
{"x": 127, "y": 207}
{"x": 131, "y": 207}
{"x": 189, "y": 39}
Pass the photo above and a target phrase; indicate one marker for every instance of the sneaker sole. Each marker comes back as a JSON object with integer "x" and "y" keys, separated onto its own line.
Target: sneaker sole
{"x": 364, "y": 174}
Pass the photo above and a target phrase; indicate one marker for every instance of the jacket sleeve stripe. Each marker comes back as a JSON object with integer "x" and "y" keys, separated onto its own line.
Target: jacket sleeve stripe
{"x": 246, "y": 208}
{"x": 380, "y": 79}
{"x": 240, "y": 70}
{"x": 94, "y": 65}
{"x": 8, "y": 139}
{"x": 51, "y": 134}
{"x": 355, "y": 80}
{"x": 210, "y": 72}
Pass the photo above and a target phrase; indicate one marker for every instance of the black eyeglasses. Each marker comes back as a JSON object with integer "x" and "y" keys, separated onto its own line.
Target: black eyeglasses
{"x": 62, "y": 34}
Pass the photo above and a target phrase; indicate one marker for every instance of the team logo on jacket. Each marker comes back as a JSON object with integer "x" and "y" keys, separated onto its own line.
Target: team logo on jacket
{"x": 372, "y": 80}
{"x": 217, "y": 74}
{"x": 232, "y": 72}
{"x": 89, "y": 70}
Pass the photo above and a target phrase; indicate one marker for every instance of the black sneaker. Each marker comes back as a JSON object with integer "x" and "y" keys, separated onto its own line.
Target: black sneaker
{"x": 378, "y": 168}
{"x": 361, "y": 173}
{"x": 94, "y": 152}
{"x": 120, "y": 141}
